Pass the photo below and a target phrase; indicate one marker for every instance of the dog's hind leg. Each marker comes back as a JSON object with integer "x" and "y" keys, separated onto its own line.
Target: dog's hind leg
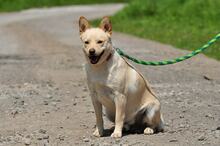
{"x": 153, "y": 118}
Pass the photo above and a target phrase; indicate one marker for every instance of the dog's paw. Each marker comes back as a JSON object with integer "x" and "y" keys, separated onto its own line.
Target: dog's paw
{"x": 98, "y": 133}
{"x": 116, "y": 135}
{"x": 148, "y": 131}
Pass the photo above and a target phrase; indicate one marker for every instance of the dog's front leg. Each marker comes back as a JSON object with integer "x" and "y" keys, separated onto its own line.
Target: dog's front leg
{"x": 120, "y": 105}
{"x": 99, "y": 120}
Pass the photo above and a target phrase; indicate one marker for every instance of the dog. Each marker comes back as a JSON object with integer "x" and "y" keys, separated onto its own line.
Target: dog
{"x": 115, "y": 85}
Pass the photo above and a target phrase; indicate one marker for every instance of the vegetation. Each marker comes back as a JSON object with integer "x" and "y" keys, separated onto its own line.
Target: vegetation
{"x": 16, "y": 5}
{"x": 185, "y": 24}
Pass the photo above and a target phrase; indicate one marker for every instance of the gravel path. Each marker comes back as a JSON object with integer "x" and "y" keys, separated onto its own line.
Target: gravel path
{"x": 44, "y": 100}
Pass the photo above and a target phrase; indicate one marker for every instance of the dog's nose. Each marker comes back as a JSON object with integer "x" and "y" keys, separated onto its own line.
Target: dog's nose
{"x": 92, "y": 51}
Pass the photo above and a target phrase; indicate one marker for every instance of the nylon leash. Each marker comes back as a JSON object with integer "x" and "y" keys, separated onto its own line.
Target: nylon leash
{"x": 172, "y": 61}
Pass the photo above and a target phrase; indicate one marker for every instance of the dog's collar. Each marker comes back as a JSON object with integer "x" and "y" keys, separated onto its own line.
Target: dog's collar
{"x": 109, "y": 56}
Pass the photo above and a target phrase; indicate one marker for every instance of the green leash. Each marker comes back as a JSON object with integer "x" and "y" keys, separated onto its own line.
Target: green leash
{"x": 172, "y": 61}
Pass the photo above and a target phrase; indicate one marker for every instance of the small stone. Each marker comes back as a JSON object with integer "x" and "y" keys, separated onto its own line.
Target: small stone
{"x": 209, "y": 116}
{"x": 49, "y": 96}
{"x": 85, "y": 89}
{"x": 218, "y": 128}
{"x": 49, "y": 84}
{"x": 46, "y": 144}
{"x": 25, "y": 84}
{"x": 14, "y": 113}
{"x": 178, "y": 100}
{"x": 173, "y": 140}
{"x": 58, "y": 100}
{"x": 61, "y": 137}
{"x": 22, "y": 102}
{"x": 90, "y": 111}
{"x": 207, "y": 78}
{"x": 86, "y": 140}
{"x": 27, "y": 141}
{"x": 42, "y": 131}
{"x": 85, "y": 126}
{"x": 201, "y": 138}
{"x": 16, "y": 97}
{"x": 184, "y": 111}
{"x": 10, "y": 138}
{"x": 166, "y": 124}
{"x": 57, "y": 109}
{"x": 76, "y": 96}
{"x": 39, "y": 138}
{"x": 217, "y": 134}
{"x": 74, "y": 103}
{"x": 45, "y": 137}
{"x": 124, "y": 145}
{"x": 46, "y": 103}
{"x": 171, "y": 131}
{"x": 54, "y": 103}
{"x": 181, "y": 116}
{"x": 182, "y": 126}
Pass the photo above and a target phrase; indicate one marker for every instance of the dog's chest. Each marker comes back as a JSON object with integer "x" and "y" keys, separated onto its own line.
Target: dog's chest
{"x": 108, "y": 76}
{"x": 105, "y": 90}
{"x": 106, "y": 83}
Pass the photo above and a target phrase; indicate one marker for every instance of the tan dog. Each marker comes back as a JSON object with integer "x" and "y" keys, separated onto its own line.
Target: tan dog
{"x": 116, "y": 85}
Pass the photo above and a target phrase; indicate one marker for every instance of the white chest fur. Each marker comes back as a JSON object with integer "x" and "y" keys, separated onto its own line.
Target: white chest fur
{"x": 107, "y": 79}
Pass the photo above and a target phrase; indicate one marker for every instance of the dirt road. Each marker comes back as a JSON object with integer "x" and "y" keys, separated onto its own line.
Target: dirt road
{"x": 44, "y": 100}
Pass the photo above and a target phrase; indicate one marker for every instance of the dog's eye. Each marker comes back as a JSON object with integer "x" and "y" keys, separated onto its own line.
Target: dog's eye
{"x": 86, "y": 42}
{"x": 100, "y": 42}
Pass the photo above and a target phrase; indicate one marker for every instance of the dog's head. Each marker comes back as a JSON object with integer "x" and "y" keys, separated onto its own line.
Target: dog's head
{"x": 96, "y": 41}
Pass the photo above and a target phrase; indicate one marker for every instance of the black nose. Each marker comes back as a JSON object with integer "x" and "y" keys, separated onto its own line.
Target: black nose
{"x": 92, "y": 51}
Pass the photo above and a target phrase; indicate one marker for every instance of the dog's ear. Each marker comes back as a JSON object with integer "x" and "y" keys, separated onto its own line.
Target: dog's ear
{"x": 83, "y": 24}
{"x": 106, "y": 25}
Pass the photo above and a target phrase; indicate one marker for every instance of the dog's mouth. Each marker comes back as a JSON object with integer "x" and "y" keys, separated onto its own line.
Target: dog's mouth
{"x": 95, "y": 58}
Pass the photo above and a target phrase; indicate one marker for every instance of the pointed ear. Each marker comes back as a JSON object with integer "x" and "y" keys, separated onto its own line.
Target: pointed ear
{"x": 83, "y": 24}
{"x": 106, "y": 25}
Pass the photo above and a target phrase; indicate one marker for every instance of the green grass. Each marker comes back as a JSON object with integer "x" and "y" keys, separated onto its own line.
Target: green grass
{"x": 16, "y": 5}
{"x": 186, "y": 24}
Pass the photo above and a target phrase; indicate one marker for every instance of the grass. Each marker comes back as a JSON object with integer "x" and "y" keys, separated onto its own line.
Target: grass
{"x": 17, "y": 5}
{"x": 186, "y": 24}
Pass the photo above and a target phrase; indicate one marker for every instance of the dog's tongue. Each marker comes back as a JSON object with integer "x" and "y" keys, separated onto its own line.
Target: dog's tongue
{"x": 93, "y": 59}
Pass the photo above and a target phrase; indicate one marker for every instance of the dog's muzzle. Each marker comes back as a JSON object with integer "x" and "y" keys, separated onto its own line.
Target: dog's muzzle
{"x": 95, "y": 58}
